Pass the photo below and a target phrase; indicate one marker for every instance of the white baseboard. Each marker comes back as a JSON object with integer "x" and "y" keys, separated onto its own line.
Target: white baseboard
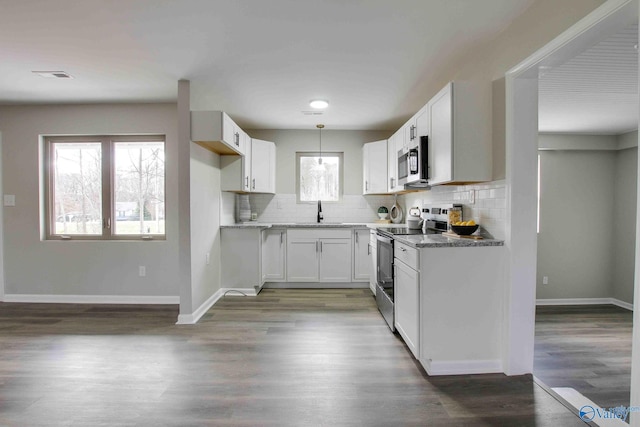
{"x": 462, "y": 367}
{"x": 91, "y": 299}
{"x": 585, "y": 301}
{"x": 316, "y": 285}
{"x": 191, "y": 319}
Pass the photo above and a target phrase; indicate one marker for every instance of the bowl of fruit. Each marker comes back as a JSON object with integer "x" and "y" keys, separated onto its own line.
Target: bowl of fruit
{"x": 464, "y": 228}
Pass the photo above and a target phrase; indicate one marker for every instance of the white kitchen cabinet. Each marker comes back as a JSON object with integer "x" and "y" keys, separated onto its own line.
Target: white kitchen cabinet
{"x": 302, "y": 259}
{"x": 335, "y": 260}
{"x": 373, "y": 261}
{"x": 255, "y": 172}
{"x": 394, "y": 144}
{"x": 461, "y": 309}
{"x": 274, "y": 252}
{"x": 217, "y": 132}
{"x": 460, "y": 146}
{"x": 319, "y": 255}
{"x": 414, "y": 128}
{"x": 361, "y": 255}
{"x": 263, "y": 166}
{"x": 240, "y": 258}
{"x": 407, "y": 305}
{"x": 374, "y": 167}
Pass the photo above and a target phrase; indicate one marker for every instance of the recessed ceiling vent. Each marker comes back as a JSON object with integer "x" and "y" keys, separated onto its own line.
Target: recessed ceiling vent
{"x": 53, "y": 74}
{"x": 312, "y": 113}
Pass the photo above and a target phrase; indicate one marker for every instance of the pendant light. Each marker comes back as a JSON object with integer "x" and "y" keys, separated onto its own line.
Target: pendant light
{"x": 320, "y": 127}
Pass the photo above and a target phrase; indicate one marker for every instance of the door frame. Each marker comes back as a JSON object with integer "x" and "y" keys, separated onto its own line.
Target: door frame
{"x": 521, "y": 97}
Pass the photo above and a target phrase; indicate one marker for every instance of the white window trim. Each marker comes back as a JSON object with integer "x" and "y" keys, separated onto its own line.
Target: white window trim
{"x": 338, "y": 154}
{"x": 108, "y": 204}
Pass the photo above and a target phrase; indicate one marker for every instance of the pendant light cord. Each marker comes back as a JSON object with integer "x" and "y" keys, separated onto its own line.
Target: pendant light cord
{"x": 320, "y": 126}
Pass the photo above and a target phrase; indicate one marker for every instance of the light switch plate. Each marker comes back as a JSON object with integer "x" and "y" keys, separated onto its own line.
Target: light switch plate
{"x": 9, "y": 200}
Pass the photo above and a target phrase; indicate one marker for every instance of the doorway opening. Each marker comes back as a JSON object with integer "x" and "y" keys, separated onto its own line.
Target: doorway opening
{"x": 526, "y": 248}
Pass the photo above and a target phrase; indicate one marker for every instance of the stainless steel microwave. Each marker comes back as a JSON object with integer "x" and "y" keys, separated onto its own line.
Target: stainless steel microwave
{"x": 413, "y": 166}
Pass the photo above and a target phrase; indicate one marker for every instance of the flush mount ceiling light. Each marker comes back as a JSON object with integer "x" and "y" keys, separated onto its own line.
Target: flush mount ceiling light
{"x": 53, "y": 74}
{"x": 319, "y": 104}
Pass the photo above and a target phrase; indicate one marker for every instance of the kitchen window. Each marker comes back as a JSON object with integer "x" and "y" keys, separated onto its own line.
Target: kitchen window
{"x": 319, "y": 177}
{"x": 104, "y": 187}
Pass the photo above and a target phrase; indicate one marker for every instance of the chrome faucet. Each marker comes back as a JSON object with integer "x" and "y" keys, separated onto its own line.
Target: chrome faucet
{"x": 320, "y": 216}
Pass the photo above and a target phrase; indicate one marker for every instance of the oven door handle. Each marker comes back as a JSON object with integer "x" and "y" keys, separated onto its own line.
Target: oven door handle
{"x": 384, "y": 239}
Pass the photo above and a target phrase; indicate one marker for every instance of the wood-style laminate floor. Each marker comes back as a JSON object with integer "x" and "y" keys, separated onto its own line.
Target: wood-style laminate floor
{"x": 284, "y": 358}
{"x": 587, "y": 348}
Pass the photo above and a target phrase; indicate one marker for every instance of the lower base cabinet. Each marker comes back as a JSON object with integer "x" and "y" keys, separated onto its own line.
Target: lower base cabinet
{"x": 361, "y": 253}
{"x": 253, "y": 256}
{"x": 319, "y": 255}
{"x": 373, "y": 261}
{"x": 274, "y": 252}
{"x": 241, "y": 263}
{"x": 302, "y": 259}
{"x": 407, "y": 305}
{"x": 335, "y": 260}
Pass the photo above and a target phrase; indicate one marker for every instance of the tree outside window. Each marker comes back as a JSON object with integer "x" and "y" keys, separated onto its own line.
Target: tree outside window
{"x": 105, "y": 187}
{"x": 319, "y": 179}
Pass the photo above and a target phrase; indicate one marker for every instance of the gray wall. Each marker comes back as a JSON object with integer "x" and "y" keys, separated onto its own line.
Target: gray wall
{"x": 586, "y": 251}
{"x": 205, "y": 224}
{"x": 33, "y": 266}
{"x": 290, "y": 141}
{"x": 624, "y": 225}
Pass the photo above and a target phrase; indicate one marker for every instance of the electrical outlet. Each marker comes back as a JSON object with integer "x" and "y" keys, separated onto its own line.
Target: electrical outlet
{"x": 545, "y": 280}
{"x": 207, "y": 258}
{"x": 472, "y": 196}
{"x": 9, "y": 200}
{"x": 142, "y": 271}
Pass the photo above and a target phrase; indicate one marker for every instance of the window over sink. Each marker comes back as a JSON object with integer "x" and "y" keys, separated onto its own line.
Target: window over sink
{"x": 319, "y": 177}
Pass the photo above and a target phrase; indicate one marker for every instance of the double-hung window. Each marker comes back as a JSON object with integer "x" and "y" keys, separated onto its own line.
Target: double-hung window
{"x": 104, "y": 187}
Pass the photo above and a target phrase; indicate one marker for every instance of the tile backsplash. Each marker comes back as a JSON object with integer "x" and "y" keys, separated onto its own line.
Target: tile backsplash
{"x": 280, "y": 208}
{"x": 487, "y": 206}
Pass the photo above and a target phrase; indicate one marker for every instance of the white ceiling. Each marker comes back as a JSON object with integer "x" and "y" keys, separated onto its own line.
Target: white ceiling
{"x": 261, "y": 61}
{"x": 596, "y": 92}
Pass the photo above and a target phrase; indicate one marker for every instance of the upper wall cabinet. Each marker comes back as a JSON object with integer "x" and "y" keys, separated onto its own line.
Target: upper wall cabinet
{"x": 255, "y": 172}
{"x": 417, "y": 126}
{"x": 395, "y": 143}
{"x": 459, "y": 147}
{"x": 216, "y": 131}
{"x": 374, "y": 167}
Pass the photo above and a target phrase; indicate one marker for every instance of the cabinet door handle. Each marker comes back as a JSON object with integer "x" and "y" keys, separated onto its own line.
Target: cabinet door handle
{"x": 316, "y": 246}
{"x": 237, "y": 137}
{"x": 357, "y": 237}
{"x": 246, "y": 182}
{"x": 366, "y": 186}
{"x": 368, "y": 248}
{"x": 403, "y": 249}
{"x": 254, "y": 183}
{"x": 320, "y": 246}
{"x": 281, "y": 238}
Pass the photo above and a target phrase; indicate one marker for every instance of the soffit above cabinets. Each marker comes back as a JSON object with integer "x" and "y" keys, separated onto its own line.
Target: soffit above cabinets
{"x": 596, "y": 92}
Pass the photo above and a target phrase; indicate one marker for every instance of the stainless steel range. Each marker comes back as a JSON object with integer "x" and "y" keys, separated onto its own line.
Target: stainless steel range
{"x": 435, "y": 222}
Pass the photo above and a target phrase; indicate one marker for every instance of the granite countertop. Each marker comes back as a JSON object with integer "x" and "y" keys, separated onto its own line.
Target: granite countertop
{"x": 300, "y": 225}
{"x": 440, "y": 241}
